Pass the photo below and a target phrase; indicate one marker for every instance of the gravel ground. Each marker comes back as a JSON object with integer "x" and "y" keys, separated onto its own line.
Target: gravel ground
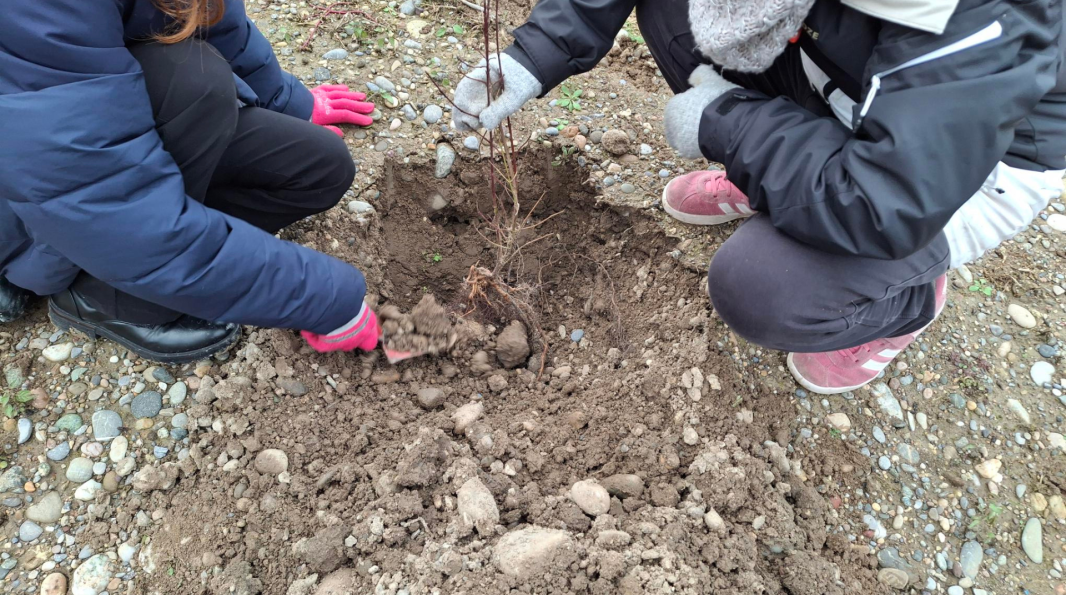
{"x": 271, "y": 469}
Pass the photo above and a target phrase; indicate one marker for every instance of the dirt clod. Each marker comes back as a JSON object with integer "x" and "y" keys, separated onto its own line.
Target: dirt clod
{"x": 325, "y": 551}
{"x": 427, "y": 329}
{"x": 512, "y": 346}
{"x": 624, "y": 485}
{"x": 271, "y": 462}
{"x": 430, "y": 398}
{"x": 616, "y": 142}
{"x": 532, "y": 551}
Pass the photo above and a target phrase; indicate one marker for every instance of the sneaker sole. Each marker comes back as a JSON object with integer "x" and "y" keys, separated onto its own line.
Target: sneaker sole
{"x": 814, "y": 388}
{"x": 66, "y": 322}
{"x": 699, "y": 219}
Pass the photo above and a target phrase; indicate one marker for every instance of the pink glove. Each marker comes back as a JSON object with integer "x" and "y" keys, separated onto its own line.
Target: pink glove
{"x": 335, "y": 104}
{"x": 361, "y": 332}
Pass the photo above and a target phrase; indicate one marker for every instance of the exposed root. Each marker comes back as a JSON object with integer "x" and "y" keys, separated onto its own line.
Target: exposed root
{"x": 487, "y": 288}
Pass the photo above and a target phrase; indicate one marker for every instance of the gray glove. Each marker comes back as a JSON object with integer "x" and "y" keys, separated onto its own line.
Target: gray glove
{"x": 685, "y": 110}
{"x": 518, "y": 86}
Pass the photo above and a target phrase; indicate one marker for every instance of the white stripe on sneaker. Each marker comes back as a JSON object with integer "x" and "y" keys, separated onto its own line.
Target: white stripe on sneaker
{"x": 743, "y": 208}
{"x": 874, "y": 365}
{"x": 726, "y": 208}
{"x": 889, "y": 353}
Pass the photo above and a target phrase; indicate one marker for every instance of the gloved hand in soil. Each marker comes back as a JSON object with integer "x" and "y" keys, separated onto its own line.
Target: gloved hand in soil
{"x": 512, "y": 87}
{"x": 335, "y": 104}
{"x": 361, "y": 332}
{"x": 685, "y": 110}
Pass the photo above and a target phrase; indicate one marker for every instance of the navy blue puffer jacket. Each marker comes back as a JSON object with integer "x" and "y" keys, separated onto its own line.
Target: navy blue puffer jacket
{"x": 86, "y": 185}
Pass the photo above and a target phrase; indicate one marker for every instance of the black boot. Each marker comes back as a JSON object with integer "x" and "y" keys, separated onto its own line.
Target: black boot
{"x": 187, "y": 339}
{"x": 13, "y": 300}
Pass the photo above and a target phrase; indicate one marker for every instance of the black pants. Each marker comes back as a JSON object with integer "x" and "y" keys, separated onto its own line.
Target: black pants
{"x": 266, "y": 168}
{"x": 769, "y": 288}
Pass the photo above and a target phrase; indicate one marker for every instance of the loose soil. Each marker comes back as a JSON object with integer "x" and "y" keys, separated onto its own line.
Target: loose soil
{"x": 648, "y": 391}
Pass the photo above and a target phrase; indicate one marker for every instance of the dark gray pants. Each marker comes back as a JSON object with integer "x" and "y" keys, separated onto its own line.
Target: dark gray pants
{"x": 266, "y": 168}
{"x": 769, "y": 288}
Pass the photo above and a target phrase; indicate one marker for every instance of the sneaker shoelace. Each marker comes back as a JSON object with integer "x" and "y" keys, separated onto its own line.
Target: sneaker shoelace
{"x": 857, "y": 355}
{"x": 720, "y": 186}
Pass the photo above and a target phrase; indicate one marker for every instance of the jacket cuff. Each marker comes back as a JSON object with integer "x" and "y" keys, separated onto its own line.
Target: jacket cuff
{"x": 301, "y": 102}
{"x": 721, "y": 120}
{"x": 538, "y": 53}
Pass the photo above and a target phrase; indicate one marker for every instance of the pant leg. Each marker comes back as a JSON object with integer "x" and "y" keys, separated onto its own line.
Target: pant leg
{"x": 782, "y": 294}
{"x": 278, "y": 169}
{"x": 665, "y": 27}
{"x": 194, "y": 101}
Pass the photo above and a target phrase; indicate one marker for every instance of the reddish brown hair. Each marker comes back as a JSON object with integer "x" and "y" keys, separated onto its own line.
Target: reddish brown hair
{"x": 188, "y": 15}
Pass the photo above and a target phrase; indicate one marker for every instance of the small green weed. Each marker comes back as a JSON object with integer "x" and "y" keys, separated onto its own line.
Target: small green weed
{"x": 835, "y": 433}
{"x": 983, "y": 286}
{"x": 433, "y": 258}
{"x": 13, "y": 404}
{"x": 634, "y": 34}
{"x": 564, "y": 153}
{"x": 570, "y": 99}
{"x": 988, "y": 522}
{"x": 454, "y": 29}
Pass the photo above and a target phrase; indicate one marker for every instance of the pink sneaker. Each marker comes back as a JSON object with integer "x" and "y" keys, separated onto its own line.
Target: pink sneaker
{"x": 705, "y": 198}
{"x": 835, "y": 372}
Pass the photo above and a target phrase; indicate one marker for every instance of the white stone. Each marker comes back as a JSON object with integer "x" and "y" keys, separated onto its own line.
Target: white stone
{"x": 889, "y": 404}
{"x": 713, "y": 520}
{"x": 477, "y": 508}
{"x": 88, "y": 490}
{"x": 689, "y": 436}
{"x": 533, "y": 551}
{"x": 119, "y": 447}
{"x": 990, "y": 468}
{"x": 126, "y": 551}
{"x": 1042, "y": 373}
{"x": 125, "y": 466}
{"x": 1055, "y": 440}
{"x": 25, "y": 427}
{"x": 92, "y": 576}
{"x": 591, "y": 497}
{"x": 465, "y": 416}
{"x": 1015, "y": 406}
{"x": 58, "y": 353}
{"x": 839, "y": 421}
{"x": 1021, "y": 316}
{"x": 1033, "y": 540}
{"x": 1057, "y": 222}
{"x": 965, "y": 273}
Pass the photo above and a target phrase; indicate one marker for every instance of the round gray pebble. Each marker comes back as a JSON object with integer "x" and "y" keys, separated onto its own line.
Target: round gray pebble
{"x": 432, "y": 114}
{"x": 29, "y": 531}
{"x": 146, "y": 404}
{"x": 106, "y": 425}
{"x": 60, "y": 452}
{"x": 80, "y": 470}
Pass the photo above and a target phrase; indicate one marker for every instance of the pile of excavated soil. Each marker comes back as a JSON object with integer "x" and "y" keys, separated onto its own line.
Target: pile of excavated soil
{"x": 639, "y": 461}
{"x": 426, "y": 329}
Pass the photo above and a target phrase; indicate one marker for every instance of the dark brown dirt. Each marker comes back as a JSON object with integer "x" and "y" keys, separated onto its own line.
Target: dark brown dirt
{"x": 650, "y": 393}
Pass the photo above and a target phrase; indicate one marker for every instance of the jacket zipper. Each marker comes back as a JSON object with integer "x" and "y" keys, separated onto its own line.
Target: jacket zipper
{"x": 989, "y": 33}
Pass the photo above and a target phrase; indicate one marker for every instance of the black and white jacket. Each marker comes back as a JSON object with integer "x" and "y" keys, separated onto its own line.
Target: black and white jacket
{"x": 928, "y": 104}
